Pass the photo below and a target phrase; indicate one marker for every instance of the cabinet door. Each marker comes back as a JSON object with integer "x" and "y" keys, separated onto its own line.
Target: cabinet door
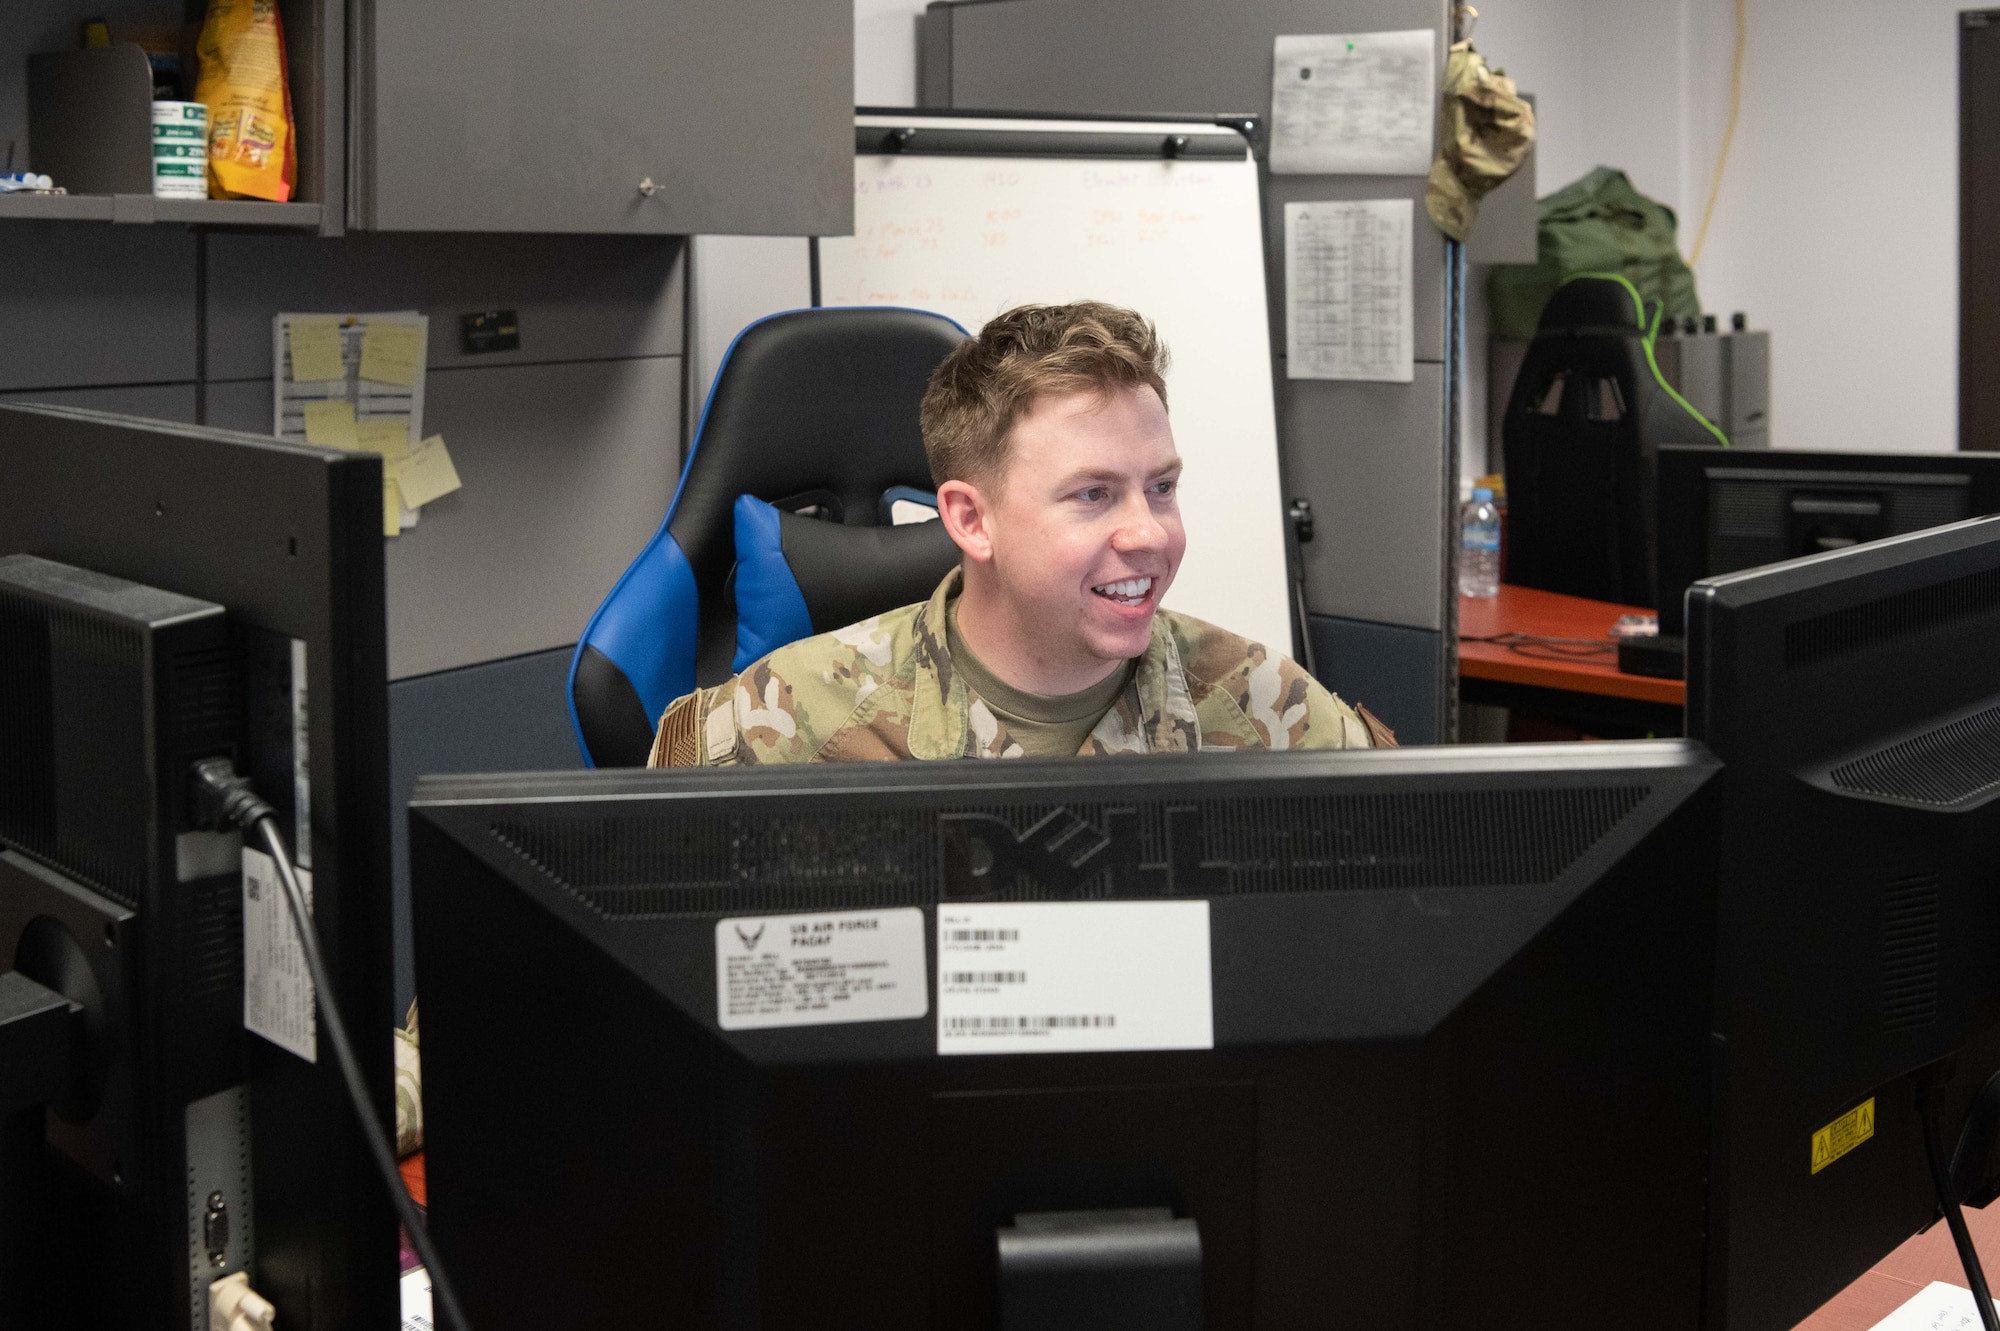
{"x": 663, "y": 116}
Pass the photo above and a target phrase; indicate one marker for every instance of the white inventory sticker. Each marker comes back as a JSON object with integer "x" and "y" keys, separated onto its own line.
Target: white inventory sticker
{"x": 816, "y": 970}
{"x": 277, "y": 987}
{"x": 1064, "y": 977}
{"x": 417, "y": 1300}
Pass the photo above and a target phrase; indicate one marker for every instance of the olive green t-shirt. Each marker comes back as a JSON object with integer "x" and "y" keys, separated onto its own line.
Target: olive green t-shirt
{"x": 1044, "y": 725}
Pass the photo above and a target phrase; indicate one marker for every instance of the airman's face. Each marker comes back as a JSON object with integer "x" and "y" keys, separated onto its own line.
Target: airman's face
{"x": 1084, "y": 526}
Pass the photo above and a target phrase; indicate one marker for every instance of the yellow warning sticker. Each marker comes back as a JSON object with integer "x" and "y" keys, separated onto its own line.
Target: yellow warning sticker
{"x": 1842, "y": 1135}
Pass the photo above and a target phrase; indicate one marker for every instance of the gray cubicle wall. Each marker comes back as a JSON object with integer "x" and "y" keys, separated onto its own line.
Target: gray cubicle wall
{"x": 1376, "y": 460}
{"x": 569, "y": 448}
{"x": 92, "y": 306}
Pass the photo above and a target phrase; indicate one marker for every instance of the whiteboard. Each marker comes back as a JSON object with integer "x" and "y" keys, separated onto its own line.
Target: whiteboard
{"x": 1180, "y": 241}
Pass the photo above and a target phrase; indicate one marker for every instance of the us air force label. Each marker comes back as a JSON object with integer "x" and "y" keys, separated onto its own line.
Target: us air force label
{"x": 816, "y": 970}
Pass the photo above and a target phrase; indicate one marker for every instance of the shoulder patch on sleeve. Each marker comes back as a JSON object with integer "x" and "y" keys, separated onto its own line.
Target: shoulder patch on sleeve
{"x": 719, "y": 731}
{"x": 675, "y": 743}
{"x": 1379, "y": 735}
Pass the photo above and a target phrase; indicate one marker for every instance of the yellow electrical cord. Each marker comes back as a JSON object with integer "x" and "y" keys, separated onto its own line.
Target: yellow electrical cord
{"x": 1728, "y": 134}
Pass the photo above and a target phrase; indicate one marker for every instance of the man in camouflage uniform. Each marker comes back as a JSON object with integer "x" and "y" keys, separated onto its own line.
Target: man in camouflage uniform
{"x": 1056, "y": 470}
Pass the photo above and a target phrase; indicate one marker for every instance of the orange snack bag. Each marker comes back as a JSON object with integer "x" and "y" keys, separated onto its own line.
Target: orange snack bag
{"x": 250, "y": 149}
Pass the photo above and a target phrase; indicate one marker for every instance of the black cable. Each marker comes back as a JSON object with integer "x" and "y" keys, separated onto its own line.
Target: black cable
{"x": 1975, "y": 1139}
{"x": 1542, "y": 647}
{"x": 1954, "y": 1216}
{"x": 233, "y": 800}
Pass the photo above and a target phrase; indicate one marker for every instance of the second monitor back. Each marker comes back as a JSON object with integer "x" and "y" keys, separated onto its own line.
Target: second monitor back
{"x": 1725, "y": 510}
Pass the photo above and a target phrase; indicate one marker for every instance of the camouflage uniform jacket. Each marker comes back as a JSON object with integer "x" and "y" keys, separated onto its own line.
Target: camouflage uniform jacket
{"x": 885, "y": 689}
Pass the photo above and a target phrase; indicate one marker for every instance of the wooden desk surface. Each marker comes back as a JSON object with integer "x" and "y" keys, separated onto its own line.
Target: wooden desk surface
{"x": 1552, "y": 615}
{"x": 1894, "y": 1279}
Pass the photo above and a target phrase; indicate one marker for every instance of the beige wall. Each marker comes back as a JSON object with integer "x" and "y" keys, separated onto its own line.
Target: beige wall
{"x": 1836, "y": 224}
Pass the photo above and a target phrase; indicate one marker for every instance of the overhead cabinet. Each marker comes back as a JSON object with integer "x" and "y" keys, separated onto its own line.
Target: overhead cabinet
{"x": 84, "y": 116}
{"x": 634, "y": 116}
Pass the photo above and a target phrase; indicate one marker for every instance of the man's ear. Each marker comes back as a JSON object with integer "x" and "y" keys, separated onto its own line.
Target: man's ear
{"x": 967, "y": 519}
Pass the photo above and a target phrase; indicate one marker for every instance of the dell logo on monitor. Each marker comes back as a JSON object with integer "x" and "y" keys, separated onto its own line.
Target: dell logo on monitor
{"x": 1066, "y": 855}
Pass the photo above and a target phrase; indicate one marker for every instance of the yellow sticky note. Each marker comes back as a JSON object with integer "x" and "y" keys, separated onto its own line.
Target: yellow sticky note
{"x": 387, "y": 435}
{"x": 392, "y": 504}
{"x": 316, "y": 350}
{"x": 390, "y": 353}
{"x": 331, "y": 424}
{"x": 427, "y": 473}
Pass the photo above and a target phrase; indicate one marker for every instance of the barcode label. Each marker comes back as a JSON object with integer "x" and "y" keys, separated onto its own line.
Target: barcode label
{"x": 1047, "y": 977}
{"x": 1028, "y": 1023}
{"x": 278, "y": 996}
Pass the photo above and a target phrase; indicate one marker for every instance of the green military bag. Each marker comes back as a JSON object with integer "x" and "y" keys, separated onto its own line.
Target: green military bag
{"x": 1599, "y": 224}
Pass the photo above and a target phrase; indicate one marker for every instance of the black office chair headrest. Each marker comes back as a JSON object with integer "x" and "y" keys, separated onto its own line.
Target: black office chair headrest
{"x": 1590, "y": 307}
{"x": 814, "y": 402}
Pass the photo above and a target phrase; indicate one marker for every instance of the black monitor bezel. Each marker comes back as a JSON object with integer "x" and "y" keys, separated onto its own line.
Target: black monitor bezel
{"x": 288, "y": 538}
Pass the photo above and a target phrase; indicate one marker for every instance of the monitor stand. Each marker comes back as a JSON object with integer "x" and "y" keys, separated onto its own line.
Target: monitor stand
{"x": 1125, "y": 1270}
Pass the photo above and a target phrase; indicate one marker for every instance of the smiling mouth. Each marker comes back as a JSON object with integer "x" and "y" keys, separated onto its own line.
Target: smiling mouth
{"x": 1129, "y": 591}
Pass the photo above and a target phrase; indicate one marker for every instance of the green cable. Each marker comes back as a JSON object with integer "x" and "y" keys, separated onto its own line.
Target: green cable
{"x": 1647, "y": 335}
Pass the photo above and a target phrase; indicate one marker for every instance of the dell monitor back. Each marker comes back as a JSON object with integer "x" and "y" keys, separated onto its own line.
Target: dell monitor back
{"x": 1854, "y": 700}
{"x": 1722, "y": 510}
{"x": 170, "y": 592}
{"x": 1411, "y": 1039}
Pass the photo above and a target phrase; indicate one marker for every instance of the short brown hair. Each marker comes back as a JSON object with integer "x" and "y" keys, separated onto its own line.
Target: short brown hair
{"x": 990, "y": 380}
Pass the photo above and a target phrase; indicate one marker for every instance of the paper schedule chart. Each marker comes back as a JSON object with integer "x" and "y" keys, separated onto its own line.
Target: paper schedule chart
{"x": 1357, "y": 103}
{"x": 1348, "y": 307}
{"x": 356, "y": 382}
{"x": 373, "y": 361}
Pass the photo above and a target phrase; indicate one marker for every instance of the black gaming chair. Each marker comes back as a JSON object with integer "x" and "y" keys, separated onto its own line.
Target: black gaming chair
{"x": 813, "y": 412}
{"x": 1588, "y": 412}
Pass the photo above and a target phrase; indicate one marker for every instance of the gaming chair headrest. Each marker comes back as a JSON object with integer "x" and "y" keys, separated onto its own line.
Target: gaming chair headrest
{"x": 1590, "y": 307}
{"x": 811, "y": 407}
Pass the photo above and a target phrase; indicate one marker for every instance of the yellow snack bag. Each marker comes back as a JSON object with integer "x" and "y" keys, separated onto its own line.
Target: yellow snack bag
{"x": 250, "y": 148}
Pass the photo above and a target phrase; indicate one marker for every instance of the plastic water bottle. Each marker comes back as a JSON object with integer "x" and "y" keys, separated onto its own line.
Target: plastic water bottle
{"x": 1479, "y": 545}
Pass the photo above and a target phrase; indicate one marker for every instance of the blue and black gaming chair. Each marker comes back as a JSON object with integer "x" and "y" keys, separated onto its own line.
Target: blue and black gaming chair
{"x": 814, "y": 413}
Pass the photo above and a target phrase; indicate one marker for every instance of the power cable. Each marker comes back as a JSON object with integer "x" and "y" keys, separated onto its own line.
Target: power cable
{"x": 1729, "y": 133}
{"x": 1954, "y": 1215}
{"x": 220, "y": 790}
